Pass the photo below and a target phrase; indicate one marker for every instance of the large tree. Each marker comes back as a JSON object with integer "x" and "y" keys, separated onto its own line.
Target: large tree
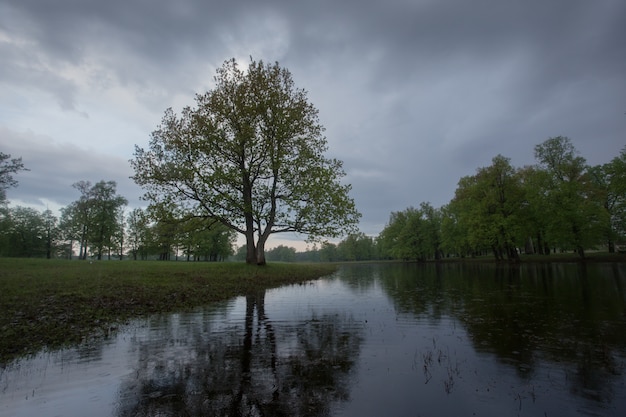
{"x": 577, "y": 216}
{"x": 250, "y": 155}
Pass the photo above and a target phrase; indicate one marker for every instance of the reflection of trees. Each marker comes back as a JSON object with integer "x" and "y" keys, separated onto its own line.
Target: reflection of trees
{"x": 260, "y": 369}
{"x": 360, "y": 278}
{"x": 567, "y": 314}
{"x": 422, "y": 290}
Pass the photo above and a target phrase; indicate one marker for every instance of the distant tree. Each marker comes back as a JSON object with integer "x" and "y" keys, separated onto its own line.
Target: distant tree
{"x": 118, "y": 240}
{"x": 576, "y": 217}
{"x": 356, "y": 247}
{"x": 282, "y": 253}
{"x": 94, "y": 219}
{"x": 328, "y": 252}
{"x": 454, "y": 229}
{"x": 106, "y": 207}
{"x": 52, "y": 232}
{"x": 413, "y": 234}
{"x": 138, "y": 225}
{"x": 165, "y": 237}
{"x": 206, "y": 240}
{"x": 7, "y": 168}
{"x": 240, "y": 253}
{"x": 249, "y": 156}
{"x": 393, "y": 243}
{"x": 499, "y": 197}
{"x": 616, "y": 171}
{"x": 26, "y": 233}
{"x": 610, "y": 189}
{"x": 69, "y": 230}
{"x": 432, "y": 230}
{"x": 535, "y": 223}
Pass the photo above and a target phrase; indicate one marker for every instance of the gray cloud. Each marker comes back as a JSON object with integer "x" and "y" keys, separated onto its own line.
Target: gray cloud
{"x": 53, "y": 168}
{"x": 414, "y": 94}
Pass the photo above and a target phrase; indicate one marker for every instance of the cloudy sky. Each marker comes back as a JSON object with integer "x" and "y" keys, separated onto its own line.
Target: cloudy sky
{"x": 414, "y": 94}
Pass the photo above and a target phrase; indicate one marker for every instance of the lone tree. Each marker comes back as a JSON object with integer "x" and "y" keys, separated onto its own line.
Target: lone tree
{"x": 250, "y": 155}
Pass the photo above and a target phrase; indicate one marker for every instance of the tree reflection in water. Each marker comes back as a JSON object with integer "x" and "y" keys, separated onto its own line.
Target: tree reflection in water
{"x": 260, "y": 369}
{"x": 532, "y": 317}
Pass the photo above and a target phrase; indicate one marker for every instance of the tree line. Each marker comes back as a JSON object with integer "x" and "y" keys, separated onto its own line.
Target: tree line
{"x": 97, "y": 226}
{"x": 558, "y": 204}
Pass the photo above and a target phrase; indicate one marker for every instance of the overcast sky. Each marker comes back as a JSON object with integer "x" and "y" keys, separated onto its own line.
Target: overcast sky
{"x": 414, "y": 94}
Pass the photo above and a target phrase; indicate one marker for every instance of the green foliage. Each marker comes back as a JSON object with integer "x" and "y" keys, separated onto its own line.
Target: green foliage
{"x": 137, "y": 231}
{"x": 578, "y": 218}
{"x": 328, "y": 252}
{"x": 206, "y": 240}
{"x": 94, "y": 219}
{"x": 25, "y": 232}
{"x": 490, "y": 204}
{"x": 412, "y": 234}
{"x": 561, "y": 203}
{"x": 610, "y": 190}
{"x": 250, "y": 156}
{"x": 7, "y": 168}
{"x": 356, "y": 247}
{"x": 281, "y": 253}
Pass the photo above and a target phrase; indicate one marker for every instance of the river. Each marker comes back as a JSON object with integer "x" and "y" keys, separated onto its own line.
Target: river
{"x": 370, "y": 340}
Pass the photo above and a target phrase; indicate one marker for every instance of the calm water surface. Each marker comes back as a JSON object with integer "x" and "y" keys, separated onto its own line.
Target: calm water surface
{"x": 371, "y": 340}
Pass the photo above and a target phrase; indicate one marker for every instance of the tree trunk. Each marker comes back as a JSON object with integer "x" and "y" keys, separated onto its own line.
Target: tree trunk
{"x": 512, "y": 253}
{"x": 529, "y": 248}
{"x": 260, "y": 251}
{"x": 250, "y": 246}
{"x": 249, "y": 218}
{"x": 496, "y": 252}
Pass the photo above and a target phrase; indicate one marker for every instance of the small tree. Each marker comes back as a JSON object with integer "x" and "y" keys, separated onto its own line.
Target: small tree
{"x": 8, "y": 167}
{"x": 138, "y": 225}
{"x": 250, "y": 155}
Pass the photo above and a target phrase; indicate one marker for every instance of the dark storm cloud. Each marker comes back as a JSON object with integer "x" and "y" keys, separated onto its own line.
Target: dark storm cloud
{"x": 414, "y": 94}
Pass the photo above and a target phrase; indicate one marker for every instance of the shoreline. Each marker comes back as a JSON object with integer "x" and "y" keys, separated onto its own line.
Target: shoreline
{"x": 50, "y": 304}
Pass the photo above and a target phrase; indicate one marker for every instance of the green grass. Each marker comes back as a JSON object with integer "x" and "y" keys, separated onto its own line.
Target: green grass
{"x": 54, "y": 303}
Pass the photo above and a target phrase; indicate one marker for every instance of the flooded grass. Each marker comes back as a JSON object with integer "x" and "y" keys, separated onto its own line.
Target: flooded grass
{"x": 53, "y": 303}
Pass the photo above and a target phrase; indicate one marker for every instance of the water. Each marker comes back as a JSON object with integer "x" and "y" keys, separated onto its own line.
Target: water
{"x": 371, "y": 340}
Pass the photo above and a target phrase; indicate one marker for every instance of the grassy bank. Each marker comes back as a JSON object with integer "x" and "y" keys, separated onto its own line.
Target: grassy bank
{"x": 52, "y": 303}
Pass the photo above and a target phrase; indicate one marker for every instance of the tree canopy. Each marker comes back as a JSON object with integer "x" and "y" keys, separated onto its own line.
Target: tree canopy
{"x": 249, "y": 155}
